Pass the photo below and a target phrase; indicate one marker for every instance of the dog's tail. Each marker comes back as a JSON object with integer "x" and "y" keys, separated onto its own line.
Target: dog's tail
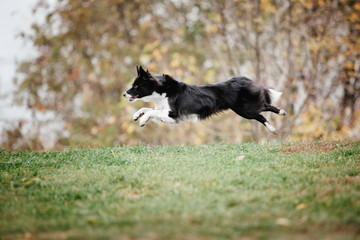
{"x": 273, "y": 95}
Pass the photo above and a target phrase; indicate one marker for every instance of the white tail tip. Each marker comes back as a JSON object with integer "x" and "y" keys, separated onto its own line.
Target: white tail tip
{"x": 274, "y": 95}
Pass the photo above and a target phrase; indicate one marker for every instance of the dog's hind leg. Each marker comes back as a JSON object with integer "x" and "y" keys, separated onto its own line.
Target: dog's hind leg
{"x": 260, "y": 118}
{"x": 270, "y": 108}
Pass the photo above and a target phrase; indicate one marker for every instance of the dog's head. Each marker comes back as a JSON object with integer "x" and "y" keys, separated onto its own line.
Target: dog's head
{"x": 144, "y": 85}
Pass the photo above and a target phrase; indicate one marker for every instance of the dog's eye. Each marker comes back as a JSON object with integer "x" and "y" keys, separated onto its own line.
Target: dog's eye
{"x": 135, "y": 86}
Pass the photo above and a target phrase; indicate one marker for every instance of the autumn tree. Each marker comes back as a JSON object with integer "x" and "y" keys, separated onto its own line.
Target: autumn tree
{"x": 88, "y": 50}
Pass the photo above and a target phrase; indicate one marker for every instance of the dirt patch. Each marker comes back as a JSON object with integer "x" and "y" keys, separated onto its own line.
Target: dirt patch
{"x": 57, "y": 235}
{"x": 349, "y": 179}
{"x": 322, "y": 147}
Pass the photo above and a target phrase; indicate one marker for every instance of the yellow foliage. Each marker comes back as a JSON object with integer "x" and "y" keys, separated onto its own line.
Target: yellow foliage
{"x": 152, "y": 66}
{"x": 128, "y": 128}
{"x": 200, "y": 136}
{"x": 193, "y": 68}
{"x": 164, "y": 49}
{"x": 125, "y": 125}
{"x": 216, "y": 17}
{"x": 268, "y": 6}
{"x": 182, "y": 31}
{"x": 209, "y": 76}
{"x": 357, "y": 114}
{"x": 349, "y": 65}
{"x": 186, "y": 80}
{"x": 320, "y": 28}
{"x": 94, "y": 130}
{"x": 175, "y": 60}
{"x": 345, "y": 130}
{"x": 157, "y": 54}
{"x": 91, "y": 76}
{"x": 314, "y": 46}
{"x": 67, "y": 67}
{"x": 179, "y": 72}
{"x": 149, "y": 47}
{"x": 357, "y": 6}
{"x": 145, "y": 59}
{"x": 211, "y": 28}
{"x": 68, "y": 126}
{"x": 111, "y": 119}
{"x": 192, "y": 59}
{"x": 306, "y": 3}
{"x": 354, "y": 17}
{"x": 251, "y": 70}
{"x": 314, "y": 126}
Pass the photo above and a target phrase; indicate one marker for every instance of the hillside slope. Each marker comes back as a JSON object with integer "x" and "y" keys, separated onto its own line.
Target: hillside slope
{"x": 222, "y": 191}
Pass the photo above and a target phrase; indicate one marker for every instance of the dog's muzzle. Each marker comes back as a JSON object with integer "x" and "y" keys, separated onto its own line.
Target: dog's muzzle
{"x": 131, "y": 98}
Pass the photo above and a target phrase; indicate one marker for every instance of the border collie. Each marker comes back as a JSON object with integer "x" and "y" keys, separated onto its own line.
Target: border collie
{"x": 175, "y": 101}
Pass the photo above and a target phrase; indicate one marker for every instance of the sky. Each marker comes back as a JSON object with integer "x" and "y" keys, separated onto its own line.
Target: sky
{"x": 15, "y": 17}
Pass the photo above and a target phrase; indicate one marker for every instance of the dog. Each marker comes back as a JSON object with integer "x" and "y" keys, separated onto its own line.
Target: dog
{"x": 175, "y": 101}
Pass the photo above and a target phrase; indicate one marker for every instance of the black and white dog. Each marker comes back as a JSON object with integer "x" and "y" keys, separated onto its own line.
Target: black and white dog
{"x": 175, "y": 101}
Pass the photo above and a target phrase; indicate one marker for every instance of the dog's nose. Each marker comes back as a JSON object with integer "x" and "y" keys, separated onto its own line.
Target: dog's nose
{"x": 124, "y": 94}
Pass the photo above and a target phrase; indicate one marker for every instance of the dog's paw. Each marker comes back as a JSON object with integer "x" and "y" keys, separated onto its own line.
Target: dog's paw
{"x": 137, "y": 115}
{"x": 282, "y": 112}
{"x": 143, "y": 121}
{"x": 273, "y": 131}
{"x": 270, "y": 128}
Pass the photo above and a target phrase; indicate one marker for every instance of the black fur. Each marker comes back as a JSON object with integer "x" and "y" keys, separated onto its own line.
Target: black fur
{"x": 240, "y": 94}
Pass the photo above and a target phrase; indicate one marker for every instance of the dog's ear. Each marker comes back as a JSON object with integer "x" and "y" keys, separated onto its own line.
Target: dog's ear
{"x": 137, "y": 70}
{"x": 142, "y": 72}
{"x": 146, "y": 75}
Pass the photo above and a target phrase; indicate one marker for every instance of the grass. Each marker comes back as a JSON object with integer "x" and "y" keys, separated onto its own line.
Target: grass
{"x": 247, "y": 191}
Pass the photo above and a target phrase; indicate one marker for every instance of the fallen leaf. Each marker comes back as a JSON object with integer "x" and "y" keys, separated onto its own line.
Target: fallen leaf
{"x": 283, "y": 222}
{"x": 239, "y": 158}
{"x": 301, "y": 206}
{"x": 28, "y": 235}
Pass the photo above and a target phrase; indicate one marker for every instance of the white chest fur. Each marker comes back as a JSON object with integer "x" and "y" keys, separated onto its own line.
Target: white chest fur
{"x": 161, "y": 101}
{"x": 159, "y": 114}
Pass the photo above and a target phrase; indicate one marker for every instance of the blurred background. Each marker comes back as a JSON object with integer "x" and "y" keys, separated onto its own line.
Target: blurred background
{"x": 67, "y": 91}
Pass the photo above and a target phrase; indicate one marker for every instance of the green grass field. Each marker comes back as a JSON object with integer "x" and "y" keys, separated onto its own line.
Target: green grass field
{"x": 246, "y": 191}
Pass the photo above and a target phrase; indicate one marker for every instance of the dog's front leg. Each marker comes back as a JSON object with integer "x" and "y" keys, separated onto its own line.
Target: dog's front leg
{"x": 156, "y": 116}
{"x": 141, "y": 112}
{"x": 145, "y": 118}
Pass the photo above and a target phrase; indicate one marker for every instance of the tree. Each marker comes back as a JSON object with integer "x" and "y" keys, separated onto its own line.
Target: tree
{"x": 88, "y": 50}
